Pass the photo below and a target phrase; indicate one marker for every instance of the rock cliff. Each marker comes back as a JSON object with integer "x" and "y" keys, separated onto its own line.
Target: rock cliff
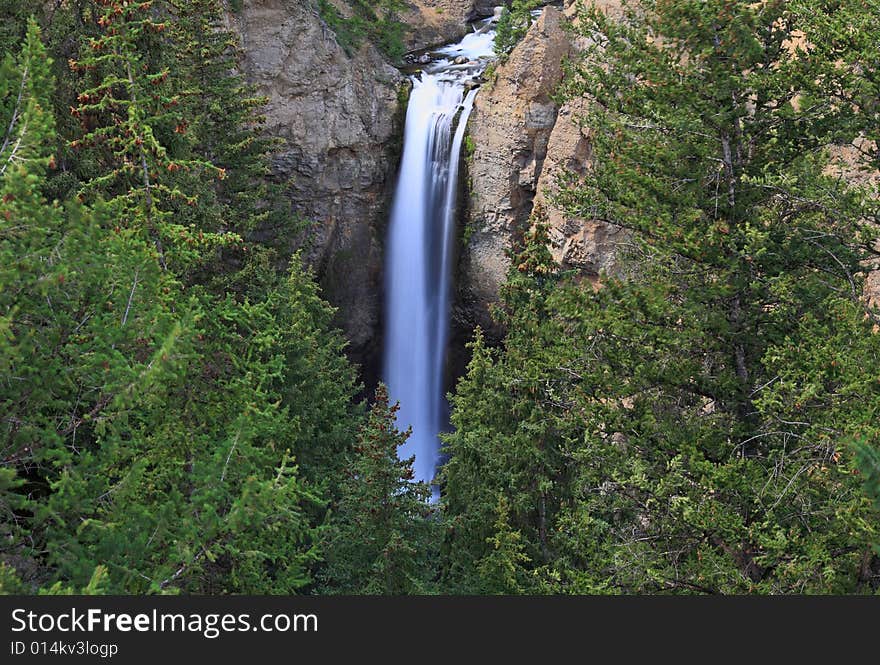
{"x": 510, "y": 130}
{"x": 522, "y": 143}
{"x": 435, "y": 22}
{"x": 584, "y": 245}
{"x": 339, "y": 120}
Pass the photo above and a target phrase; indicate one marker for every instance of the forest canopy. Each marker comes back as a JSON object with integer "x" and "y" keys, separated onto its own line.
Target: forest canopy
{"x": 178, "y": 414}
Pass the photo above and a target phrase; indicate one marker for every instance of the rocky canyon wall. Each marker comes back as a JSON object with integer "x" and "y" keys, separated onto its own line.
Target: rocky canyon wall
{"x": 435, "y": 22}
{"x": 522, "y": 143}
{"x": 509, "y": 132}
{"x": 338, "y": 118}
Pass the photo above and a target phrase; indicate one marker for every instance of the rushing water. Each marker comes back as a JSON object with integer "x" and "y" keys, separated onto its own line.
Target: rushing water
{"x": 420, "y": 243}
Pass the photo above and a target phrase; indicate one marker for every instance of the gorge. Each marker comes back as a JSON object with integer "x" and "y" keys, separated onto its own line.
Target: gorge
{"x": 346, "y": 126}
{"x": 340, "y": 120}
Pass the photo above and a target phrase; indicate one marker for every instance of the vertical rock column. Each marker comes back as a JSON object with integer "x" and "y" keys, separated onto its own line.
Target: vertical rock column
{"x": 510, "y": 131}
{"x": 522, "y": 144}
{"x": 588, "y": 246}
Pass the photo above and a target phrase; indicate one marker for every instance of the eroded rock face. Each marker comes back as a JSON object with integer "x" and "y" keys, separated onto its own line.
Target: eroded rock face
{"x": 588, "y": 246}
{"x": 585, "y": 245}
{"x": 339, "y": 119}
{"x": 872, "y": 288}
{"x": 847, "y": 162}
{"x": 510, "y": 129}
{"x": 523, "y": 144}
{"x": 436, "y": 22}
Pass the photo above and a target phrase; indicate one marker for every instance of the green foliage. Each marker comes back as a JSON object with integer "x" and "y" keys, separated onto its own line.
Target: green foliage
{"x": 222, "y": 124}
{"x": 513, "y": 25}
{"x": 96, "y": 586}
{"x": 683, "y": 428}
{"x": 177, "y": 415}
{"x": 26, "y": 117}
{"x": 502, "y": 568}
{"x": 129, "y": 111}
{"x": 10, "y": 584}
{"x": 841, "y": 37}
{"x": 506, "y": 454}
{"x": 869, "y": 466}
{"x": 14, "y": 25}
{"x": 377, "y": 21}
{"x": 160, "y": 422}
{"x": 383, "y": 536}
{"x": 469, "y": 147}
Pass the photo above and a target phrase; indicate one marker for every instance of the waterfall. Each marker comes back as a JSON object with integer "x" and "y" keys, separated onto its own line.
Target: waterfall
{"x": 421, "y": 238}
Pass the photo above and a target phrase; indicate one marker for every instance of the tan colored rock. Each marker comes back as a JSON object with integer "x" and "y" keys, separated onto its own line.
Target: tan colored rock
{"x": 524, "y": 146}
{"x": 510, "y": 128}
{"x": 848, "y": 162}
{"x": 585, "y": 245}
{"x": 872, "y": 288}
{"x": 338, "y": 117}
{"x": 436, "y": 22}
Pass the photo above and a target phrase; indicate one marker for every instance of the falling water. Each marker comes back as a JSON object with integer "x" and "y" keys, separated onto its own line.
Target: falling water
{"x": 420, "y": 243}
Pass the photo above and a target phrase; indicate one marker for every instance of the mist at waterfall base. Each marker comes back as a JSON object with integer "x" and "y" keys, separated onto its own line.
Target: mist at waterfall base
{"x": 421, "y": 239}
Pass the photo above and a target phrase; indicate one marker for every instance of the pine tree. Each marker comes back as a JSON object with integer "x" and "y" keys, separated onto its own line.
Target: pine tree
{"x": 502, "y": 569}
{"x": 510, "y": 437}
{"x": 841, "y": 36}
{"x": 869, "y": 465}
{"x": 129, "y": 111}
{"x": 223, "y": 124}
{"x": 513, "y": 25}
{"x": 152, "y": 424}
{"x": 79, "y": 308}
{"x": 732, "y": 351}
{"x": 382, "y": 538}
{"x": 15, "y": 23}
{"x": 27, "y": 112}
